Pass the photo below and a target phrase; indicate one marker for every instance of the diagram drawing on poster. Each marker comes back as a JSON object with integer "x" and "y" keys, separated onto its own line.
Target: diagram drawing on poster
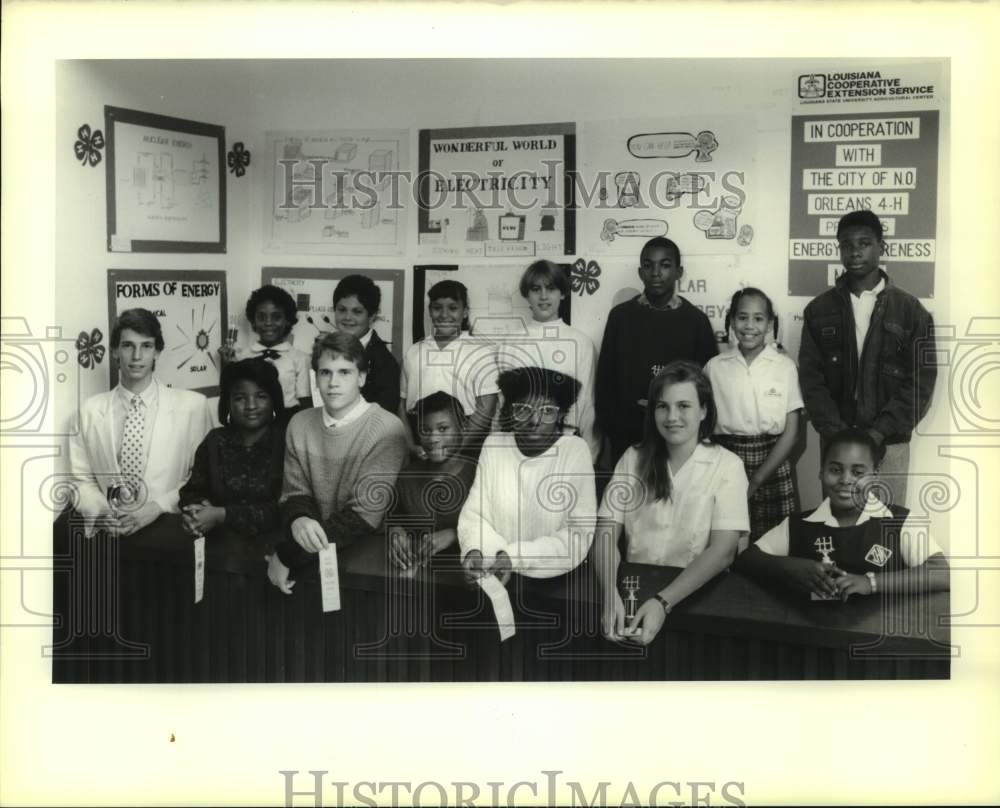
{"x": 336, "y": 192}
{"x": 191, "y": 307}
{"x": 166, "y": 189}
{"x": 644, "y": 180}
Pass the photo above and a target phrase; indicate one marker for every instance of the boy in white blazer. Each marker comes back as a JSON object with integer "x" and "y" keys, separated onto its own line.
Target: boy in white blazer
{"x": 160, "y": 443}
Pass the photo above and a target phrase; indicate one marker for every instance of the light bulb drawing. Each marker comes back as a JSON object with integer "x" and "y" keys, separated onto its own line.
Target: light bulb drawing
{"x": 200, "y": 341}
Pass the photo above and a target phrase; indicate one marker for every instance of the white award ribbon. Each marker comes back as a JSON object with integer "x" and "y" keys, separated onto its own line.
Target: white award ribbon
{"x": 497, "y": 593}
{"x": 329, "y": 579}
{"x": 199, "y": 568}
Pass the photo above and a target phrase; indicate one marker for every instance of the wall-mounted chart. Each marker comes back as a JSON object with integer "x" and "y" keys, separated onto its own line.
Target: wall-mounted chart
{"x": 689, "y": 179}
{"x": 191, "y": 307}
{"x": 337, "y": 192}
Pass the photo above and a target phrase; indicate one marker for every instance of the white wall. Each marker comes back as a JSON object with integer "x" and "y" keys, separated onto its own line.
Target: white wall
{"x": 251, "y": 98}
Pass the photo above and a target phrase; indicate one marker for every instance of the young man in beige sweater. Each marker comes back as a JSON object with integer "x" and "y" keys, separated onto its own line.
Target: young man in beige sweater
{"x": 339, "y": 458}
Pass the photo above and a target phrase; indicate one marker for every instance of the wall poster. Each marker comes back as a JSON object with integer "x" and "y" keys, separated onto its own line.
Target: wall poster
{"x": 497, "y": 191}
{"x": 191, "y": 307}
{"x": 166, "y": 190}
{"x": 338, "y": 192}
{"x": 312, "y": 290}
{"x": 880, "y": 161}
{"x": 687, "y": 178}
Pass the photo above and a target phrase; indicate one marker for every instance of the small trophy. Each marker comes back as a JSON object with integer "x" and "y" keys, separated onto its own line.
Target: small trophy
{"x": 631, "y": 584}
{"x": 824, "y": 546}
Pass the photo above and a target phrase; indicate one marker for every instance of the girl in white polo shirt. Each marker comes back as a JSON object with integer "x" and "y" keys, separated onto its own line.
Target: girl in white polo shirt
{"x": 680, "y": 499}
{"x": 450, "y": 361}
{"x": 756, "y": 390}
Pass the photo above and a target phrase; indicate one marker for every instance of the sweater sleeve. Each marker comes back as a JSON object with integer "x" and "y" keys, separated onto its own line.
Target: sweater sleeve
{"x": 371, "y": 495}
{"x": 296, "y": 501}
{"x": 562, "y": 550}
{"x": 707, "y": 346}
{"x": 901, "y": 413}
{"x": 820, "y": 406}
{"x": 476, "y": 529}
{"x": 606, "y": 379}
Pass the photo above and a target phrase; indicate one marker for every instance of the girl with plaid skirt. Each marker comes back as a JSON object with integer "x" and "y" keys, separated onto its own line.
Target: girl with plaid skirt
{"x": 756, "y": 389}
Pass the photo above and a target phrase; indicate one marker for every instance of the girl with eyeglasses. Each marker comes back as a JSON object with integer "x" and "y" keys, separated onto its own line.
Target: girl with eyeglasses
{"x": 532, "y": 505}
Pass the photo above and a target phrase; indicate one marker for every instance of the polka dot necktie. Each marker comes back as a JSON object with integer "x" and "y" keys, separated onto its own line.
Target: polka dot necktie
{"x": 135, "y": 426}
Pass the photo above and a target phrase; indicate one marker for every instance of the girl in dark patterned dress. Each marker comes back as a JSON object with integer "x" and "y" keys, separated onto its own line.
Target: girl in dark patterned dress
{"x": 236, "y": 479}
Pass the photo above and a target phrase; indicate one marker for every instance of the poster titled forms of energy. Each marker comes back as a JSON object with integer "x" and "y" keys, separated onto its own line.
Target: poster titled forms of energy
{"x": 883, "y": 162}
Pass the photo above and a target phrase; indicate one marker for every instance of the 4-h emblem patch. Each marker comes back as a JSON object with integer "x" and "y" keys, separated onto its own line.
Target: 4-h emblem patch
{"x": 878, "y": 555}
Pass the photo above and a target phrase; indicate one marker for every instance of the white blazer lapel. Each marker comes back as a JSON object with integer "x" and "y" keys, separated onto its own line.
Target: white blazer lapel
{"x": 163, "y": 440}
{"x": 106, "y": 433}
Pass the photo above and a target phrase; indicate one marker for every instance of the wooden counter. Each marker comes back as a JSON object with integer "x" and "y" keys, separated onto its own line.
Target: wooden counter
{"x": 433, "y": 628}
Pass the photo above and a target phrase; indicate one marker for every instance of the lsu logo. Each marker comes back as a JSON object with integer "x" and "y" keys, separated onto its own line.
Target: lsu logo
{"x": 812, "y": 85}
{"x": 878, "y": 555}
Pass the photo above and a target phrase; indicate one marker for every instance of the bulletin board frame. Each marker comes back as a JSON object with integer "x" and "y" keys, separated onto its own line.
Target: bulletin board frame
{"x": 120, "y": 156}
{"x": 396, "y": 277}
{"x": 420, "y": 291}
{"x": 211, "y": 323}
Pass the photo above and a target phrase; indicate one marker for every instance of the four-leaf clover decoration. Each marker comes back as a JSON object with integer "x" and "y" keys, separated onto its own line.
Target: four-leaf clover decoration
{"x": 88, "y": 146}
{"x": 584, "y": 277}
{"x": 90, "y": 352}
{"x": 238, "y": 159}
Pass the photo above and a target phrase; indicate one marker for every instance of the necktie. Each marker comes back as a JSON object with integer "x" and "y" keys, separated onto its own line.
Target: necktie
{"x": 132, "y": 461}
{"x": 269, "y": 353}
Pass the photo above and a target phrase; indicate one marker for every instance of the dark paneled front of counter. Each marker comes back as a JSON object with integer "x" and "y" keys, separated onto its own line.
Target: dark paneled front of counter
{"x": 128, "y": 615}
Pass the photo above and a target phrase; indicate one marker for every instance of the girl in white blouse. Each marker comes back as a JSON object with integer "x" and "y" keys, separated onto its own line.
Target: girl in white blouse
{"x": 681, "y": 500}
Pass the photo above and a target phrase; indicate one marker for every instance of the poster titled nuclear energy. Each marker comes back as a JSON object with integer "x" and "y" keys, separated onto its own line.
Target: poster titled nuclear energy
{"x": 883, "y": 162}
{"x": 497, "y": 191}
{"x": 191, "y": 307}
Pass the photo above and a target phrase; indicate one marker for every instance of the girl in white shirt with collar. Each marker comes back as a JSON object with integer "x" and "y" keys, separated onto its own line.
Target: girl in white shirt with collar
{"x": 680, "y": 499}
{"x": 756, "y": 389}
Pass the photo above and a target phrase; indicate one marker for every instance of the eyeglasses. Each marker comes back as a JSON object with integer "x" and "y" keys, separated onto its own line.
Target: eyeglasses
{"x": 522, "y": 412}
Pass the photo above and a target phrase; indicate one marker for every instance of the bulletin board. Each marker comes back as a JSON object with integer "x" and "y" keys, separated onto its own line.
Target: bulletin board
{"x": 191, "y": 307}
{"x": 312, "y": 289}
{"x": 689, "y": 179}
{"x": 886, "y": 162}
{"x": 336, "y": 192}
{"x": 496, "y": 307}
{"x": 166, "y": 188}
{"x": 497, "y": 191}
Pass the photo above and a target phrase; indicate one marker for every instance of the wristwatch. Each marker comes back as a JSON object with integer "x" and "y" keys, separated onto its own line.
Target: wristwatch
{"x": 665, "y": 604}
{"x": 871, "y": 580}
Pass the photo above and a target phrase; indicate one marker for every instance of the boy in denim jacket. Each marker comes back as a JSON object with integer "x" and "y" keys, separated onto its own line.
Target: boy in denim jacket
{"x": 866, "y": 358}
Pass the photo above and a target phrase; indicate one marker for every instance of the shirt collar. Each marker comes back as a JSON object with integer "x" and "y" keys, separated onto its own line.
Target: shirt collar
{"x": 702, "y": 454}
{"x": 769, "y": 354}
{"x": 366, "y": 337}
{"x": 352, "y": 414}
{"x": 874, "y": 508}
{"x": 534, "y": 325}
{"x": 149, "y": 396}
{"x": 258, "y": 347}
{"x": 672, "y": 304}
{"x": 873, "y": 292}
